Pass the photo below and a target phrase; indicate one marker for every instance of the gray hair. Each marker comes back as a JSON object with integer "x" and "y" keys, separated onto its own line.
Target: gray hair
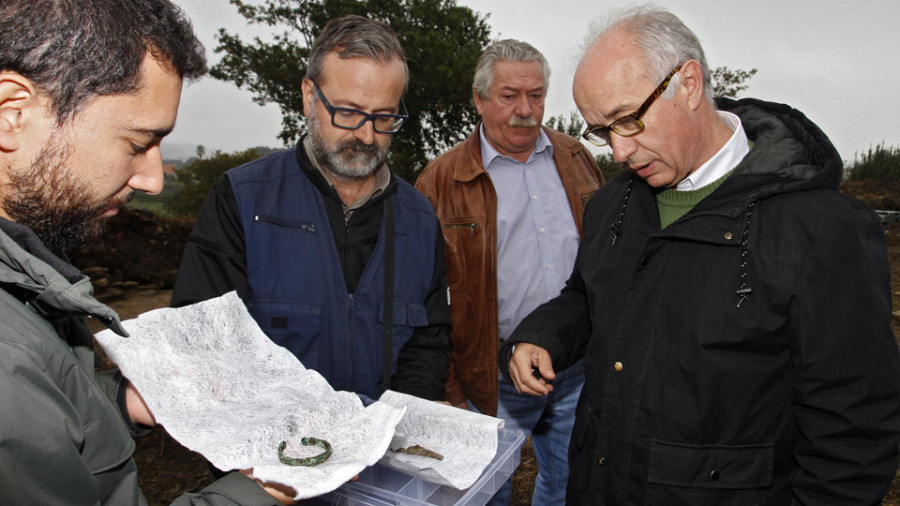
{"x": 508, "y": 50}
{"x": 663, "y": 38}
{"x": 355, "y": 37}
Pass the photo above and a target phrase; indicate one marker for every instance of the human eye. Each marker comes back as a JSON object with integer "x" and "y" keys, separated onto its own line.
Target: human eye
{"x": 384, "y": 121}
{"x": 138, "y": 149}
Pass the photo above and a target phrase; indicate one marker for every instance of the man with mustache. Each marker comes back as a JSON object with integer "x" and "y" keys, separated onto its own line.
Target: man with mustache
{"x": 731, "y": 307}
{"x": 510, "y": 200}
{"x": 337, "y": 259}
{"x": 88, "y": 90}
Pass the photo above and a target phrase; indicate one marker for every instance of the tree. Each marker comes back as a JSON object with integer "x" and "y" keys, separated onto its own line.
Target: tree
{"x": 442, "y": 42}
{"x": 609, "y": 167}
{"x": 728, "y": 83}
{"x": 573, "y": 127}
{"x": 200, "y": 175}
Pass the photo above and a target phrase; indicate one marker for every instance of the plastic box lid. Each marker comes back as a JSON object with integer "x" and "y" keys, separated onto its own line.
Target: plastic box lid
{"x": 381, "y": 485}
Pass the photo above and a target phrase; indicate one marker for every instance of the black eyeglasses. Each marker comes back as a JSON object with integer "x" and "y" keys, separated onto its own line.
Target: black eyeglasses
{"x": 352, "y": 119}
{"x": 631, "y": 125}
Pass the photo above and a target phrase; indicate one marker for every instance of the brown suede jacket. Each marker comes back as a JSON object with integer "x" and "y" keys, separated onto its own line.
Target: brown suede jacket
{"x": 465, "y": 203}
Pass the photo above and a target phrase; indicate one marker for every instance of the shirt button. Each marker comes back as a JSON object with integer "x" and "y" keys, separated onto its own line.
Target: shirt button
{"x": 534, "y": 197}
{"x": 601, "y": 461}
{"x": 714, "y": 475}
{"x": 728, "y": 235}
{"x": 618, "y": 366}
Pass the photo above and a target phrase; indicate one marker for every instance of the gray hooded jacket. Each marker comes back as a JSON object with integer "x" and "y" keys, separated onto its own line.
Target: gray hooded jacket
{"x": 63, "y": 440}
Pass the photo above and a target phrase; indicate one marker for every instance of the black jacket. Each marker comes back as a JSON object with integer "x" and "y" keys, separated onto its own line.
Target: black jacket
{"x": 742, "y": 355}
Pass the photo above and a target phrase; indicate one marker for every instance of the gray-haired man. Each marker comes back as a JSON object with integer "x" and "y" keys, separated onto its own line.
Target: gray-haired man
{"x": 510, "y": 200}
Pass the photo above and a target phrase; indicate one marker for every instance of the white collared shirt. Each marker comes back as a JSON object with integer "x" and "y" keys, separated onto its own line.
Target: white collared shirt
{"x": 724, "y": 160}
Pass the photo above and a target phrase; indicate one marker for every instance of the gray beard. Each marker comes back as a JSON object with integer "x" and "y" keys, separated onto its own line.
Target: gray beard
{"x": 351, "y": 160}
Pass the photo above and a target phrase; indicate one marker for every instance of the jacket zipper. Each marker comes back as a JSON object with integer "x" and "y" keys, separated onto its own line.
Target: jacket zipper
{"x": 471, "y": 226}
{"x": 304, "y": 227}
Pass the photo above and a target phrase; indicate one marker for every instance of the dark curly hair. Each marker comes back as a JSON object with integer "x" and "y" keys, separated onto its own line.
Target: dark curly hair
{"x": 75, "y": 50}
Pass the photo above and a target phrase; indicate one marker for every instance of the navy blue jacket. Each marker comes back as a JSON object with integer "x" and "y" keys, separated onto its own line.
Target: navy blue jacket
{"x": 267, "y": 232}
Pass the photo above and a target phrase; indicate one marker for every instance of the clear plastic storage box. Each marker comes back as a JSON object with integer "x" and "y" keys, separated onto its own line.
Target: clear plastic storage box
{"x": 380, "y": 485}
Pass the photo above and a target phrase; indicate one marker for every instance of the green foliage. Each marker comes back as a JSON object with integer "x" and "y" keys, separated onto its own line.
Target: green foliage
{"x": 573, "y": 126}
{"x": 609, "y": 167}
{"x": 881, "y": 163}
{"x": 442, "y": 42}
{"x": 728, "y": 83}
{"x": 200, "y": 175}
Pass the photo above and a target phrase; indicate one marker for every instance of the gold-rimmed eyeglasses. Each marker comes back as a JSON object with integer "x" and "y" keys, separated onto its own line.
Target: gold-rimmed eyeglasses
{"x": 631, "y": 125}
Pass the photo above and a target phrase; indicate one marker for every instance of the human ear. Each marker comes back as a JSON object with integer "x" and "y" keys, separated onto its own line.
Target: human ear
{"x": 692, "y": 82}
{"x": 479, "y": 103}
{"x": 308, "y": 89}
{"x": 17, "y": 95}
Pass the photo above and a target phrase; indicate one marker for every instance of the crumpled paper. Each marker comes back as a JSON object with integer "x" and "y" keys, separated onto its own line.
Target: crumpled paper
{"x": 466, "y": 440}
{"x": 223, "y": 389}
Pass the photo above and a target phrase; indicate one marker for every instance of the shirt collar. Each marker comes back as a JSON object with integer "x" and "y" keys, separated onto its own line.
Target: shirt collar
{"x": 724, "y": 160}
{"x": 488, "y": 153}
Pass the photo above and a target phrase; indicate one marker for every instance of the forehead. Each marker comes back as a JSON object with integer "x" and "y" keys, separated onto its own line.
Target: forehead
{"x": 517, "y": 74}
{"x": 611, "y": 79}
{"x": 151, "y": 108}
{"x": 363, "y": 81}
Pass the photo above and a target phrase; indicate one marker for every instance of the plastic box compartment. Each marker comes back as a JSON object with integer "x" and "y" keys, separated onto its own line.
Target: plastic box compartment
{"x": 381, "y": 485}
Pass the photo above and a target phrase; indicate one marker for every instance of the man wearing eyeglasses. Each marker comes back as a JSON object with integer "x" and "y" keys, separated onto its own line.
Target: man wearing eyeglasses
{"x": 337, "y": 260}
{"x": 731, "y": 306}
{"x": 510, "y": 200}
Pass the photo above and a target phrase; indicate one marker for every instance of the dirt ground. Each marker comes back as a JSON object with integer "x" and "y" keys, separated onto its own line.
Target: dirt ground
{"x": 134, "y": 267}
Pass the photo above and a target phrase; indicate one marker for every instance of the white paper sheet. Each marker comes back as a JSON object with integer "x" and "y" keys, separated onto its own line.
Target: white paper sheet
{"x": 467, "y": 441}
{"x": 221, "y": 388}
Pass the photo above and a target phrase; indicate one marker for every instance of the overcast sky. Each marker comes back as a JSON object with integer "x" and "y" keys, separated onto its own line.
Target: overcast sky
{"x": 837, "y": 61}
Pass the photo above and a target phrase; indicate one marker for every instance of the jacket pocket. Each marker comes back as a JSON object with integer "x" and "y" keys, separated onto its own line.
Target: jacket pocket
{"x": 406, "y": 314}
{"x": 712, "y": 466}
{"x": 275, "y": 221}
{"x": 292, "y": 324}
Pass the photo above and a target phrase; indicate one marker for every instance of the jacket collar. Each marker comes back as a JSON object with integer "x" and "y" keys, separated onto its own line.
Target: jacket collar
{"x": 563, "y": 148}
{"x": 46, "y": 282}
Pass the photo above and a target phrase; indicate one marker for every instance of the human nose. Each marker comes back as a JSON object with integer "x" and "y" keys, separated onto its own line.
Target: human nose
{"x": 523, "y": 107}
{"x": 622, "y": 147}
{"x": 148, "y": 173}
{"x": 365, "y": 133}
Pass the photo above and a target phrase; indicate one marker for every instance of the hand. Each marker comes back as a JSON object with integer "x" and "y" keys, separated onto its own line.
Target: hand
{"x": 137, "y": 408}
{"x": 524, "y": 359}
{"x": 281, "y": 493}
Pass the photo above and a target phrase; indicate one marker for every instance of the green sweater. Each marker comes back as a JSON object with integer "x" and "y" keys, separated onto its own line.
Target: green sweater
{"x": 674, "y": 204}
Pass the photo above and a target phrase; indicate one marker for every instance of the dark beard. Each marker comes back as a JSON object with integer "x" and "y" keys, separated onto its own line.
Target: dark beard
{"x": 57, "y": 207}
{"x": 351, "y": 160}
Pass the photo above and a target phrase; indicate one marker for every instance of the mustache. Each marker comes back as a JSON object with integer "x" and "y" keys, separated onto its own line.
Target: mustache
{"x": 518, "y": 121}
{"x": 358, "y": 145}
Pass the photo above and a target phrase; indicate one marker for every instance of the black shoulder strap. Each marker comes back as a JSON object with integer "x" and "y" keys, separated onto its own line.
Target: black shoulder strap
{"x": 388, "y": 316}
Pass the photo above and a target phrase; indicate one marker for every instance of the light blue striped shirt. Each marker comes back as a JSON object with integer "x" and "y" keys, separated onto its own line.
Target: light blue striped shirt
{"x": 536, "y": 235}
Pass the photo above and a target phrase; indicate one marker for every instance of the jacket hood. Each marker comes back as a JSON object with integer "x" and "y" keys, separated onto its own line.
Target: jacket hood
{"x": 49, "y": 285}
{"x": 788, "y": 151}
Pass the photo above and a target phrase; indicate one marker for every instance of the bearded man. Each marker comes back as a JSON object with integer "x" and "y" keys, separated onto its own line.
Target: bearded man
{"x": 309, "y": 237}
